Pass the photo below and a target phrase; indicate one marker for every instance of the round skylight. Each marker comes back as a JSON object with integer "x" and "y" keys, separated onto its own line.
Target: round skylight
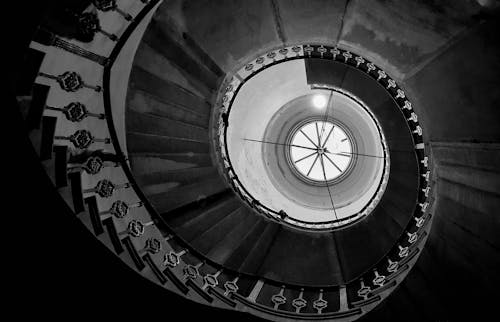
{"x": 320, "y": 151}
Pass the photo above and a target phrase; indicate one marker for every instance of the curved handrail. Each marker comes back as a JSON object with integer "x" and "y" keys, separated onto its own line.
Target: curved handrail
{"x": 232, "y": 92}
{"x": 153, "y": 213}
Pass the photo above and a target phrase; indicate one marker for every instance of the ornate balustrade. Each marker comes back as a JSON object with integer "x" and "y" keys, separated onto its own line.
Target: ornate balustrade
{"x": 234, "y": 83}
{"x": 88, "y": 152}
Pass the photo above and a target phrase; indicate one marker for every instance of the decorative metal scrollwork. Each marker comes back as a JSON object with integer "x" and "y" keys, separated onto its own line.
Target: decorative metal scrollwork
{"x": 359, "y": 60}
{"x": 335, "y": 51}
{"x": 403, "y": 251}
{"x": 364, "y": 290}
{"x": 320, "y": 304}
{"x": 211, "y": 280}
{"x": 299, "y": 303}
{"x": 88, "y": 25}
{"x": 392, "y": 266}
{"x": 76, "y": 112}
{"x": 153, "y": 246}
{"x": 271, "y": 55}
{"x": 105, "y": 188}
{"x": 412, "y": 237}
{"x": 70, "y": 81}
{"x": 231, "y": 287}
{"x": 119, "y": 209}
{"x": 296, "y": 49}
{"x": 135, "y": 228}
{"x": 82, "y": 139}
{"x": 419, "y": 221}
{"x": 278, "y": 299}
{"x": 347, "y": 55}
{"x": 283, "y": 51}
{"x": 93, "y": 165}
{"x": 110, "y": 5}
{"x": 379, "y": 280}
{"x": 191, "y": 272}
{"x": 172, "y": 259}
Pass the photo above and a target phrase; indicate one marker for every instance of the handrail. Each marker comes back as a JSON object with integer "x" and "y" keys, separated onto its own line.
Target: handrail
{"x": 266, "y": 61}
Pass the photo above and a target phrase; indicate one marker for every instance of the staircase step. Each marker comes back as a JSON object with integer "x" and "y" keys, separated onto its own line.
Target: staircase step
{"x": 113, "y": 235}
{"x": 208, "y": 220}
{"x": 157, "y": 64}
{"x": 162, "y": 279}
{"x": 195, "y": 287}
{"x": 357, "y": 257}
{"x": 185, "y": 195}
{"x": 147, "y": 143}
{"x": 479, "y": 225}
{"x": 93, "y": 212}
{"x": 181, "y": 215}
{"x": 75, "y": 179}
{"x": 471, "y": 198}
{"x": 155, "y": 181}
{"x": 404, "y": 197}
{"x": 406, "y": 309}
{"x": 320, "y": 71}
{"x": 266, "y": 293}
{"x": 177, "y": 52}
{"x": 217, "y": 231}
{"x": 246, "y": 284}
{"x": 47, "y": 137}
{"x": 311, "y": 258}
{"x": 61, "y": 165}
{"x": 151, "y": 124}
{"x": 140, "y": 101}
{"x": 142, "y": 164}
{"x": 175, "y": 280}
{"x": 134, "y": 254}
{"x": 478, "y": 179}
{"x": 422, "y": 291}
{"x": 240, "y": 252}
{"x": 332, "y": 296}
{"x": 219, "y": 252}
{"x": 255, "y": 257}
{"x": 39, "y": 96}
{"x": 167, "y": 91}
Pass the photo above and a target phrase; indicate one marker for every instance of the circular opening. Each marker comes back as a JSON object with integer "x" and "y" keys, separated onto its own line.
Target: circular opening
{"x": 320, "y": 151}
{"x": 314, "y": 152}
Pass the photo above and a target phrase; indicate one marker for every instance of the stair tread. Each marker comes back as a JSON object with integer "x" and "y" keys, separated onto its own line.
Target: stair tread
{"x": 184, "y": 195}
{"x": 299, "y": 257}
{"x": 208, "y": 220}
{"x": 255, "y": 257}
{"x": 356, "y": 256}
{"x": 150, "y": 124}
{"x": 191, "y": 211}
{"x": 236, "y": 258}
{"x": 213, "y": 235}
{"x": 222, "y": 250}
{"x": 157, "y": 180}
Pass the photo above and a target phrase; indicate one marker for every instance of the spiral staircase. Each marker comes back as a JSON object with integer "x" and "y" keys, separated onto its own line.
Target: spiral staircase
{"x": 128, "y": 108}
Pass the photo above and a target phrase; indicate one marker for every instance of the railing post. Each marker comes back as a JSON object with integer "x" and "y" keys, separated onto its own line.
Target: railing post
{"x": 255, "y": 291}
{"x": 343, "y": 298}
